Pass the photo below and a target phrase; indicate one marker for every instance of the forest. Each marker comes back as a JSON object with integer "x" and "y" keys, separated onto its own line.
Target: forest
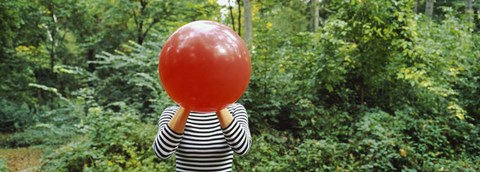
{"x": 336, "y": 85}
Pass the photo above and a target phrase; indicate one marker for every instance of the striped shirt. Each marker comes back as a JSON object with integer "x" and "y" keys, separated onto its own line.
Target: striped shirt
{"x": 204, "y": 145}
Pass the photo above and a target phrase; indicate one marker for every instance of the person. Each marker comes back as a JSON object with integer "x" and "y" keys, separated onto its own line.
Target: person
{"x": 203, "y": 141}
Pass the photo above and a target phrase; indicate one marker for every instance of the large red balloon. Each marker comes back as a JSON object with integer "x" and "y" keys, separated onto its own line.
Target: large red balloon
{"x": 204, "y": 66}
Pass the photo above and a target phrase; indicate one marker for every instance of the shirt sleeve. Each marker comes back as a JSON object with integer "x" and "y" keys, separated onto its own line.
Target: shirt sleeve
{"x": 166, "y": 141}
{"x": 237, "y": 133}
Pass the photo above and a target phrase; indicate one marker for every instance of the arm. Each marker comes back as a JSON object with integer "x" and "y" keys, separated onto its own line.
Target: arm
{"x": 170, "y": 131}
{"x": 225, "y": 118}
{"x": 234, "y": 123}
{"x": 178, "y": 121}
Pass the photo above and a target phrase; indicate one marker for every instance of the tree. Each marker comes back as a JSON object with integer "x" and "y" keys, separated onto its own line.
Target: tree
{"x": 239, "y": 19}
{"x": 145, "y": 17}
{"x": 429, "y": 6}
{"x": 469, "y": 10}
{"x": 314, "y": 16}
{"x": 52, "y": 33}
{"x": 248, "y": 22}
{"x": 96, "y": 26}
{"x": 20, "y": 39}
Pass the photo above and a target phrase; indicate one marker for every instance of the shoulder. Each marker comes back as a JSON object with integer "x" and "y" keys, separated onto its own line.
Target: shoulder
{"x": 237, "y": 109}
{"x": 171, "y": 110}
{"x": 173, "y": 107}
{"x": 235, "y": 106}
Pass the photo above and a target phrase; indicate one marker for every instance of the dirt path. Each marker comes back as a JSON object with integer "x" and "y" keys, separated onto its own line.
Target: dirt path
{"x": 22, "y": 159}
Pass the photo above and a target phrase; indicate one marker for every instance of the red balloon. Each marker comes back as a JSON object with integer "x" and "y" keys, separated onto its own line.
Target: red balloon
{"x": 204, "y": 66}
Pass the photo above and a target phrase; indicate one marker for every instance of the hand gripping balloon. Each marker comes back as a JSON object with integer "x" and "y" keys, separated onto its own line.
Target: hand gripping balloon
{"x": 204, "y": 66}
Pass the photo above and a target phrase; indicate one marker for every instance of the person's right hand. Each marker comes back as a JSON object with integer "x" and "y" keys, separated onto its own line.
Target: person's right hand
{"x": 177, "y": 123}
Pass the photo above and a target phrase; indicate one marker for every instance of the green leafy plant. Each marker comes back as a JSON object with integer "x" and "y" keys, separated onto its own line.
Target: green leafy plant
{"x": 111, "y": 141}
{"x": 15, "y": 116}
{"x": 3, "y": 165}
{"x": 131, "y": 78}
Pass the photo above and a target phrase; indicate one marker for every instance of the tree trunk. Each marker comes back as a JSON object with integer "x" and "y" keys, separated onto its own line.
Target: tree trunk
{"x": 52, "y": 34}
{"x": 230, "y": 8}
{"x": 140, "y": 22}
{"x": 469, "y": 11}
{"x": 429, "y": 6}
{"x": 247, "y": 8}
{"x": 52, "y": 58}
{"x": 314, "y": 9}
{"x": 91, "y": 57}
{"x": 239, "y": 17}
{"x": 416, "y": 6}
{"x": 139, "y": 34}
{"x": 476, "y": 21}
{"x": 362, "y": 92}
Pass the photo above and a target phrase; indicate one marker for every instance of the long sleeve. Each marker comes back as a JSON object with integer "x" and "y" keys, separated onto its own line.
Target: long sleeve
{"x": 237, "y": 133}
{"x": 166, "y": 142}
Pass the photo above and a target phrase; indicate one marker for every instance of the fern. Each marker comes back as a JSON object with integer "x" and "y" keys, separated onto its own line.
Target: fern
{"x": 130, "y": 76}
{"x": 15, "y": 116}
{"x": 51, "y": 90}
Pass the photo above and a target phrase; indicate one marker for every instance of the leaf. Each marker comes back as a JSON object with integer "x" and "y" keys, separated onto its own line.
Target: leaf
{"x": 403, "y": 153}
{"x": 329, "y": 87}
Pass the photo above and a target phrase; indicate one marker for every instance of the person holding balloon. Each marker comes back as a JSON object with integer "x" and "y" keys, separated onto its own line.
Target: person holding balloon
{"x": 204, "y": 67}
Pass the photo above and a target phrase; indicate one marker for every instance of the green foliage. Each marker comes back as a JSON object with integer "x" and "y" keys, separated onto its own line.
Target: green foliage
{"x": 100, "y": 148}
{"x": 42, "y": 134}
{"x": 50, "y": 127}
{"x": 378, "y": 146}
{"x": 380, "y": 142}
{"x": 13, "y": 19}
{"x": 20, "y": 72}
{"x": 3, "y": 165}
{"x": 344, "y": 65}
{"x": 269, "y": 152}
{"x": 368, "y": 54}
{"x": 344, "y": 91}
{"x": 134, "y": 73}
{"x": 375, "y": 88}
{"x": 15, "y": 117}
{"x": 439, "y": 66}
{"x": 293, "y": 13}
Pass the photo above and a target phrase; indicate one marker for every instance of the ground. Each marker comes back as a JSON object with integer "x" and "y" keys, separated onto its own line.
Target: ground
{"x": 22, "y": 159}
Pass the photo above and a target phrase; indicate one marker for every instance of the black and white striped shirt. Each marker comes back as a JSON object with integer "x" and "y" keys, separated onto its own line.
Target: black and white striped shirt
{"x": 204, "y": 145}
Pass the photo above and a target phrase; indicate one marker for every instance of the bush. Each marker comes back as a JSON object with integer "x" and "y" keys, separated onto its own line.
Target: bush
{"x": 53, "y": 127}
{"x": 3, "y": 165}
{"x": 320, "y": 155}
{"x": 42, "y": 134}
{"x": 15, "y": 116}
{"x": 111, "y": 141}
{"x": 461, "y": 163}
{"x": 378, "y": 141}
{"x": 270, "y": 151}
{"x": 375, "y": 88}
{"x": 131, "y": 76}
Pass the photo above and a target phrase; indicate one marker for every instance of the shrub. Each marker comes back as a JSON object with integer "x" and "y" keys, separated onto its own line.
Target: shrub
{"x": 111, "y": 141}
{"x": 42, "y": 134}
{"x": 269, "y": 152}
{"x": 131, "y": 76}
{"x": 320, "y": 155}
{"x": 53, "y": 127}
{"x": 3, "y": 164}
{"x": 15, "y": 116}
{"x": 379, "y": 143}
